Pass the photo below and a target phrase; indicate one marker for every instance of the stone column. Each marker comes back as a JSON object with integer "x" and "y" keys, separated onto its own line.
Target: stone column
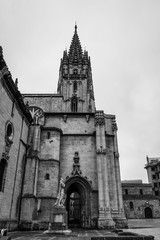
{"x": 105, "y": 219}
{"x": 36, "y": 176}
{"x": 36, "y": 143}
{"x": 31, "y": 171}
{"x": 32, "y": 164}
{"x": 120, "y": 218}
{"x": 99, "y": 169}
{"x": 112, "y": 176}
{"x": 104, "y": 167}
{"x": 114, "y": 203}
{"x": 117, "y": 169}
{"x": 36, "y": 149}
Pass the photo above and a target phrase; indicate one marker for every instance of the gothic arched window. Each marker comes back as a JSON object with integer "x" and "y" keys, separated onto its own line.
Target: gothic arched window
{"x": 75, "y": 86}
{"x": 3, "y": 170}
{"x": 131, "y": 206}
{"x": 74, "y": 104}
{"x": 9, "y": 131}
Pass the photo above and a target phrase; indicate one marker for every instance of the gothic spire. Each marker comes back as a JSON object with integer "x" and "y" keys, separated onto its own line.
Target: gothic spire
{"x": 75, "y": 51}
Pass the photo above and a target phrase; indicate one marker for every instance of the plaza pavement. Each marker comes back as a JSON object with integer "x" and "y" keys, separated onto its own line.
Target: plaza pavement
{"x": 77, "y": 234}
{"x": 145, "y": 227}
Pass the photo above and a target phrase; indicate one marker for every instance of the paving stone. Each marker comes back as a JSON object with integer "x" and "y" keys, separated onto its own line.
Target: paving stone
{"x": 79, "y": 234}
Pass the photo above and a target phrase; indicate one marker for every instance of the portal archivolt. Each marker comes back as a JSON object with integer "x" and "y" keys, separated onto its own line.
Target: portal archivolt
{"x": 78, "y": 192}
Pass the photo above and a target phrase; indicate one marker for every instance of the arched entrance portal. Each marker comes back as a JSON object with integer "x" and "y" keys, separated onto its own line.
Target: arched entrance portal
{"x": 148, "y": 212}
{"x": 78, "y": 202}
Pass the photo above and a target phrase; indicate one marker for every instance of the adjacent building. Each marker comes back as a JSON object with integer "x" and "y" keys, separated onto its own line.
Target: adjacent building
{"x": 153, "y": 172}
{"x": 139, "y": 200}
{"x": 142, "y": 200}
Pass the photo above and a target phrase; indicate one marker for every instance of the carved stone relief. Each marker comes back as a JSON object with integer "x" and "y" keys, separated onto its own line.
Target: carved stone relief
{"x": 99, "y": 118}
{"x": 76, "y": 169}
{"x": 76, "y": 165}
{"x": 37, "y": 115}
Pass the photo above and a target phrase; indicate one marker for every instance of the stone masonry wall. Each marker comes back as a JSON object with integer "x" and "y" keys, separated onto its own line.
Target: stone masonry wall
{"x": 73, "y": 124}
{"x": 46, "y": 206}
{"x": 138, "y": 210}
{"x": 28, "y": 207}
{"x": 85, "y": 146}
{"x": 48, "y": 103}
{"x": 10, "y": 197}
{"x": 94, "y": 208}
{"x": 50, "y": 145}
{"x": 111, "y": 171}
{"x": 108, "y": 123}
{"x": 48, "y": 187}
{"x": 29, "y": 179}
{"x": 134, "y": 189}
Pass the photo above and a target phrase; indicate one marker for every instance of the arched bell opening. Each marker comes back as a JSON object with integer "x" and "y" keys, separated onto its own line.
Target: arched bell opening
{"x": 74, "y": 104}
{"x": 78, "y": 202}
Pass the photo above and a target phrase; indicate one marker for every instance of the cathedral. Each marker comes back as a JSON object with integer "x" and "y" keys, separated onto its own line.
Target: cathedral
{"x": 48, "y": 137}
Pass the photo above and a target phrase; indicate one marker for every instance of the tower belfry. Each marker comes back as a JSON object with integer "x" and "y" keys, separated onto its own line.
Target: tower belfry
{"x": 75, "y": 78}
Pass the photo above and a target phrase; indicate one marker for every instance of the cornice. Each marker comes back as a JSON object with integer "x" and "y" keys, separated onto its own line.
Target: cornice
{"x": 40, "y": 95}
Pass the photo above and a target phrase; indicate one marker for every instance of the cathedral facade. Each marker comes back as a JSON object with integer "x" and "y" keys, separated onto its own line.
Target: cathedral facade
{"x": 70, "y": 139}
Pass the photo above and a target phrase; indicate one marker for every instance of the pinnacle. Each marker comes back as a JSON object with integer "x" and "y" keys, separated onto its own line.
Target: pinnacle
{"x": 65, "y": 57}
{"x": 75, "y": 51}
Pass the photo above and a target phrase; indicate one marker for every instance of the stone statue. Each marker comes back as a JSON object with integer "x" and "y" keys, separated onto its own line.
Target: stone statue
{"x": 61, "y": 195}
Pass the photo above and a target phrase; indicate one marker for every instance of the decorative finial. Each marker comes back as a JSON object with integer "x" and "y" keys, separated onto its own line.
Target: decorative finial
{"x": 16, "y": 82}
{"x": 75, "y": 26}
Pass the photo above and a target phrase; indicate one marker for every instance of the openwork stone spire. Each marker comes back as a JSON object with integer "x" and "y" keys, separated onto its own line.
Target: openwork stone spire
{"x": 75, "y": 56}
{"x": 75, "y": 51}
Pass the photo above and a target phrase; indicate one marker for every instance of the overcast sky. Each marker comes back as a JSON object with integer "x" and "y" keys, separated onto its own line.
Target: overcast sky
{"x": 123, "y": 41}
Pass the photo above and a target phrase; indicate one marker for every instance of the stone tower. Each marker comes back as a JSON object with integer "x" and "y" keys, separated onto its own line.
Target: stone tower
{"x": 69, "y": 138}
{"x": 75, "y": 79}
